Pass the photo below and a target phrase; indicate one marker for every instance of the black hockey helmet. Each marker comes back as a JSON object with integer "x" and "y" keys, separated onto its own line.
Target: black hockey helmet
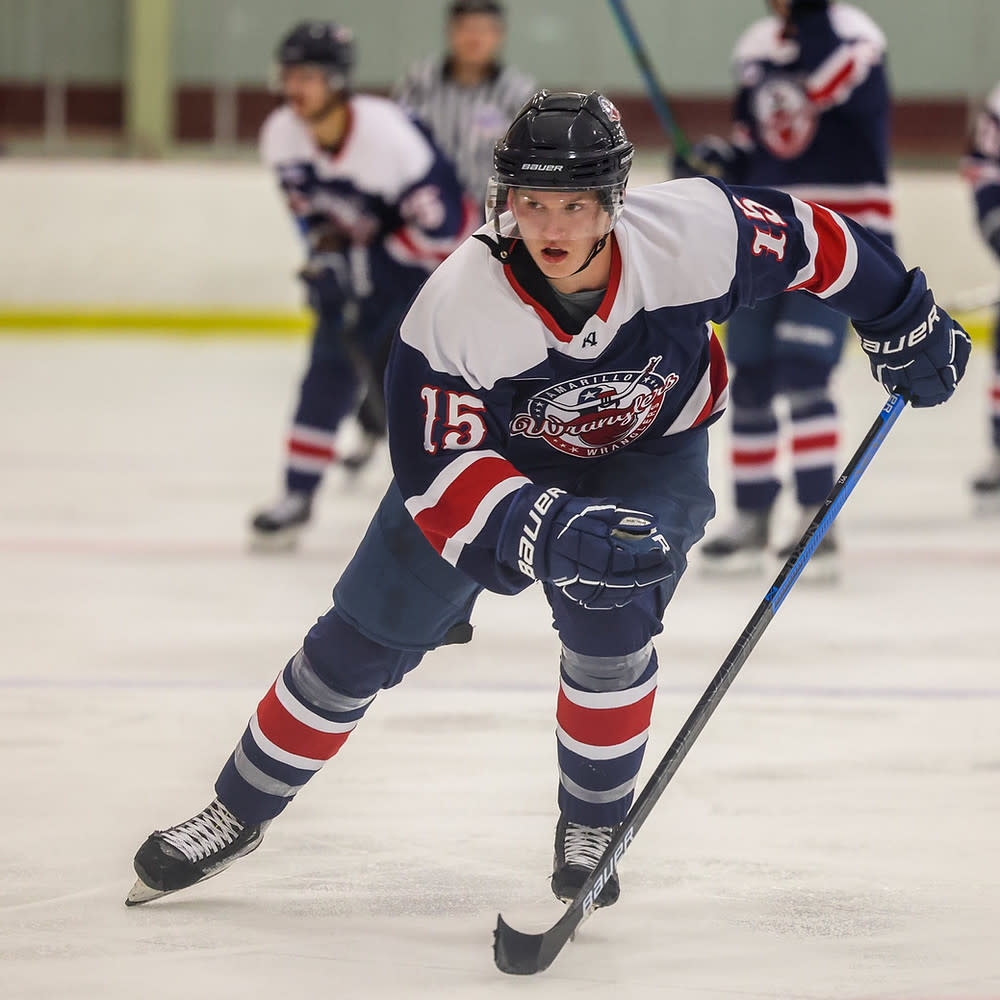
{"x": 491, "y": 7}
{"x": 319, "y": 43}
{"x": 564, "y": 140}
{"x": 561, "y": 142}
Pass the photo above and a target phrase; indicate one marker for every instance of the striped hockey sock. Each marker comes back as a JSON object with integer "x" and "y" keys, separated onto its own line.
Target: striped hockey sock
{"x": 297, "y": 727}
{"x": 601, "y": 737}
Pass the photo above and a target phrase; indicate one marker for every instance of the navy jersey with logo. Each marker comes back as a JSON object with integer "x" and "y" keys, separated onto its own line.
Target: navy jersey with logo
{"x": 812, "y": 111}
{"x": 490, "y": 388}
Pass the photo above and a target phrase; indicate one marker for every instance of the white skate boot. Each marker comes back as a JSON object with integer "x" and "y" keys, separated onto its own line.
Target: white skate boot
{"x": 277, "y": 528}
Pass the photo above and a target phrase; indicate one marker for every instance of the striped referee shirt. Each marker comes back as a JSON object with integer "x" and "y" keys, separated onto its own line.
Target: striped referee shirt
{"x": 466, "y": 122}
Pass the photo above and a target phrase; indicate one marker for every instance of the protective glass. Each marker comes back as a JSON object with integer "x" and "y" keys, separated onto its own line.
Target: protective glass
{"x": 552, "y": 213}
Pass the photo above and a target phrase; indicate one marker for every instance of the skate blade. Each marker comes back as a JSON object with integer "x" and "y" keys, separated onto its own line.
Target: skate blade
{"x": 142, "y": 893}
{"x": 286, "y": 540}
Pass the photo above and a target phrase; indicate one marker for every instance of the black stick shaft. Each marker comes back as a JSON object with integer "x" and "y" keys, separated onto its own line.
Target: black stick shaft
{"x": 524, "y": 954}
{"x": 654, "y": 89}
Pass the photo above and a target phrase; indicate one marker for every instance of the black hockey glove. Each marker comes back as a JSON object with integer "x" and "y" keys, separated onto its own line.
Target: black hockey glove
{"x": 597, "y": 553}
{"x": 327, "y": 272}
{"x": 712, "y": 156}
{"x": 918, "y": 350}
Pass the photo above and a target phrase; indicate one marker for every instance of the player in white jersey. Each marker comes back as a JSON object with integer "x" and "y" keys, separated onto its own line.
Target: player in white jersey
{"x": 981, "y": 168}
{"x": 811, "y": 117}
{"x": 468, "y": 98}
{"x": 549, "y": 398}
{"x": 379, "y": 207}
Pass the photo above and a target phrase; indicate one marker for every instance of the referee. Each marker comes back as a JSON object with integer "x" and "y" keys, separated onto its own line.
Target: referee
{"x": 468, "y": 98}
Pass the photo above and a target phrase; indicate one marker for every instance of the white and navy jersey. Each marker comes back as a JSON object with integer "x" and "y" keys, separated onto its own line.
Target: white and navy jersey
{"x": 812, "y": 112}
{"x": 489, "y": 390}
{"x": 387, "y": 187}
{"x": 465, "y": 121}
{"x": 981, "y": 167}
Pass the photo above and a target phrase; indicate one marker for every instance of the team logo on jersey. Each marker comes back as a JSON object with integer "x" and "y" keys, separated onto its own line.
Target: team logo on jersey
{"x": 786, "y": 117}
{"x": 594, "y": 415}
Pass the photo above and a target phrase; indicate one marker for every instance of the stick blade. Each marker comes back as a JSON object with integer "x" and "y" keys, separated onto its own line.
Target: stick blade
{"x": 516, "y": 953}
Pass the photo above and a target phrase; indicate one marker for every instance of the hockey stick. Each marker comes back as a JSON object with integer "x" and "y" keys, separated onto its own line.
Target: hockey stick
{"x": 657, "y": 96}
{"x": 524, "y": 954}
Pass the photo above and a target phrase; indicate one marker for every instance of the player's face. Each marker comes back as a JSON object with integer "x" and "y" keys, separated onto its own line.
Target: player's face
{"x": 306, "y": 89}
{"x": 475, "y": 39}
{"x": 559, "y": 228}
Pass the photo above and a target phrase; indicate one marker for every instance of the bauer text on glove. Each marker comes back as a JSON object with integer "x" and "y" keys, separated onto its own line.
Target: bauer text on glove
{"x": 597, "y": 553}
{"x": 917, "y": 350}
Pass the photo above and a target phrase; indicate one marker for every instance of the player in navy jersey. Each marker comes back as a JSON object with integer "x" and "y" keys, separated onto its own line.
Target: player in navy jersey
{"x": 379, "y": 208}
{"x": 811, "y": 117}
{"x": 468, "y": 98}
{"x": 981, "y": 168}
{"x": 549, "y": 399}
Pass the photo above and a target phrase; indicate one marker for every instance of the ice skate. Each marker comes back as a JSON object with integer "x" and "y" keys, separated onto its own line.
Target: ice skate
{"x": 277, "y": 528}
{"x": 191, "y": 852}
{"x": 363, "y": 453}
{"x": 824, "y": 563}
{"x": 742, "y": 547}
{"x": 986, "y": 487}
{"x": 578, "y": 849}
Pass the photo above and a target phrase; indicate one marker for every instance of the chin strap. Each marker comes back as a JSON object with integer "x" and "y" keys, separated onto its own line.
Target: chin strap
{"x": 504, "y": 245}
{"x": 594, "y": 251}
{"x": 501, "y": 249}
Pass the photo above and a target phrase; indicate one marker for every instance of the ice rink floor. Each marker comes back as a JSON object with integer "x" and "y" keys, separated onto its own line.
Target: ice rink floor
{"x": 833, "y": 833}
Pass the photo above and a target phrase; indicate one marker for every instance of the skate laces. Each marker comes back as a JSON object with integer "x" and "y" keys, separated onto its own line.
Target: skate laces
{"x": 213, "y": 829}
{"x": 584, "y": 845}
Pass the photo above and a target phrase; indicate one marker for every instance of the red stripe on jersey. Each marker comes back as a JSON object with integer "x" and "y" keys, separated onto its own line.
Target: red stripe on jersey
{"x": 762, "y": 457}
{"x": 604, "y": 727}
{"x": 459, "y": 501}
{"x": 718, "y": 374}
{"x": 826, "y": 92}
{"x": 311, "y": 450}
{"x": 860, "y": 206}
{"x": 811, "y": 442}
{"x": 604, "y": 309}
{"x": 285, "y": 731}
{"x": 543, "y": 314}
{"x": 831, "y": 252}
{"x": 415, "y": 249}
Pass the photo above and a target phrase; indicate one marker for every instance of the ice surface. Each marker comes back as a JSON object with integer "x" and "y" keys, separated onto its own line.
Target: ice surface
{"x": 832, "y": 834}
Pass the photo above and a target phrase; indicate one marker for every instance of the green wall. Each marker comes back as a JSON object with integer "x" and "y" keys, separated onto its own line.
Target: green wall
{"x": 942, "y": 48}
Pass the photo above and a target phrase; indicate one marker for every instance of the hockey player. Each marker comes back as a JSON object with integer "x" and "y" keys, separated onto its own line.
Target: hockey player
{"x": 981, "y": 168}
{"x": 550, "y": 394}
{"x": 811, "y": 117}
{"x": 468, "y": 99}
{"x": 379, "y": 207}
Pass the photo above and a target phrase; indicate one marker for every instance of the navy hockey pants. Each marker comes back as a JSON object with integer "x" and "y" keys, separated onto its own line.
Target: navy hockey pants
{"x": 398, "y": 598}
{"x": 785, "y": 346}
